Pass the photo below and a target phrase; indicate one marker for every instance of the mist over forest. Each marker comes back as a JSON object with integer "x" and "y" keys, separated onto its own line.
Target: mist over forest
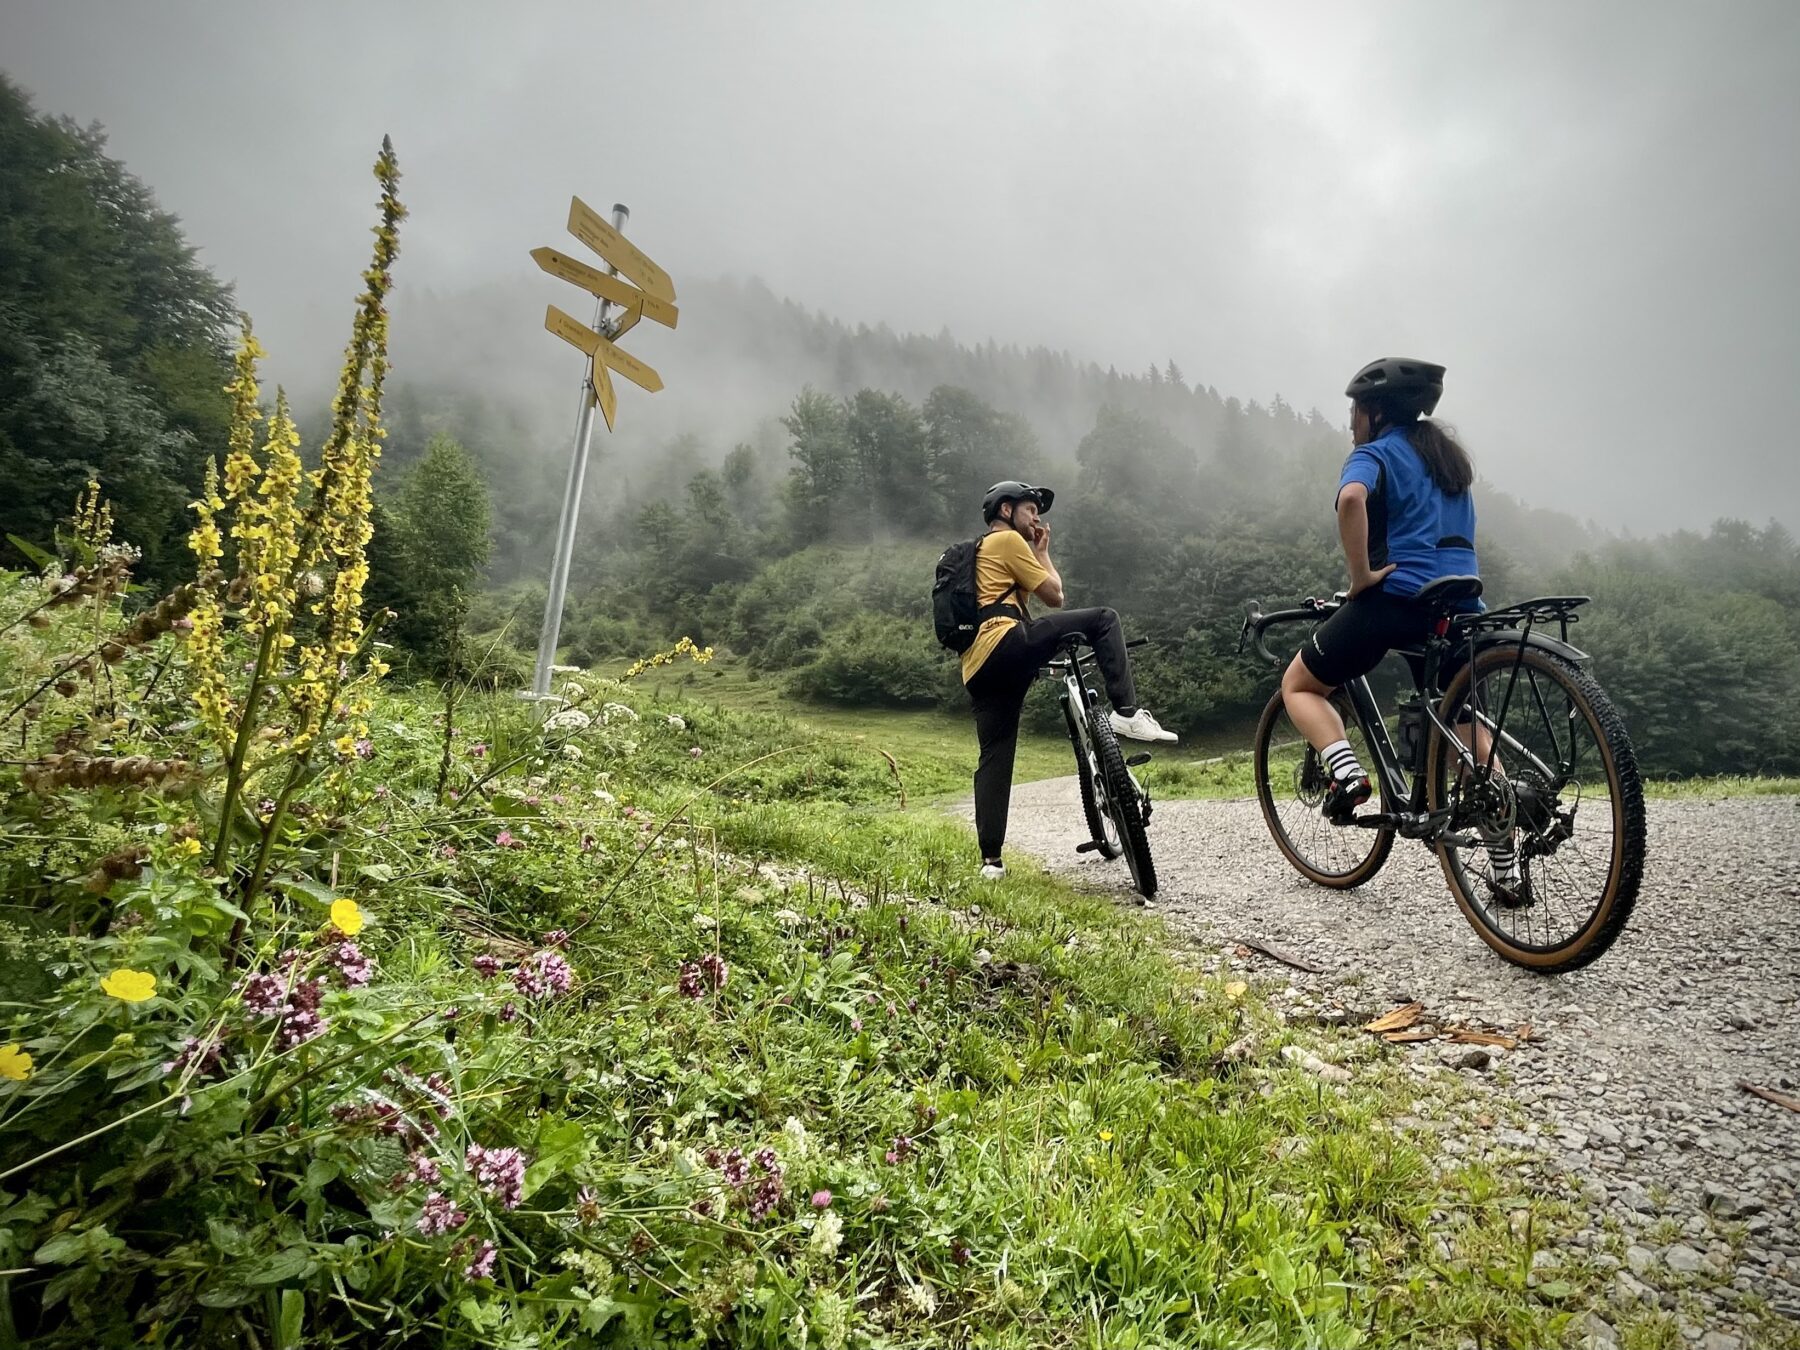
{"x": 785, "y": 497}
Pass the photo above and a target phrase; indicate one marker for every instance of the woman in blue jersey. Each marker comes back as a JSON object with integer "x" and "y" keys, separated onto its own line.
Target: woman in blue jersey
{"x": 1405, "y": 518}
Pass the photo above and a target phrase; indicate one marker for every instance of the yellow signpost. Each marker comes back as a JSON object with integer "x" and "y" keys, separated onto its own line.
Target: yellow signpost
{"x": 586, "y": 225}
{"x": 651, "y": 297}
{"x": 593, "y": 280}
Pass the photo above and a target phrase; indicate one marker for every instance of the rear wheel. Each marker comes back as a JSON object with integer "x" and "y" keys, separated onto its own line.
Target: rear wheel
{"x": 1125, "y": 804}
{"x": 1290, "y": 786}
{"x": 1087, "y": 768}
{"x": 1565, "y": 798}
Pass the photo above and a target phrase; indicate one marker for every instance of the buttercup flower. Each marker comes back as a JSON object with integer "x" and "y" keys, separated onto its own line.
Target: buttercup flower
{"x": 347, "y": 915}
{"x": 15, "y": 1063}
{"x": 130, "y": 986}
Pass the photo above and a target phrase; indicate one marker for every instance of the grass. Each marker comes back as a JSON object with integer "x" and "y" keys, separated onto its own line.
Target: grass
{"x": 936, "y": 749}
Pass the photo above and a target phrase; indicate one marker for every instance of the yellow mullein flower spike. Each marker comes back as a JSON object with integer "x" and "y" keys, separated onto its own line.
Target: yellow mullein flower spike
{"x": 130, "y": 986}
{"x": 347, "y": 917}
{"x": 15, "y": 1063}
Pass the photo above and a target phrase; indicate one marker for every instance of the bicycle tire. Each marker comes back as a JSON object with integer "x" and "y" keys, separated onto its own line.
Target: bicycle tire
{"x": 1627, "y": 826}
{"x": 1347, "y": 869}
{"x": 1125, "y": 805}
{"x": 1084, "y": 775}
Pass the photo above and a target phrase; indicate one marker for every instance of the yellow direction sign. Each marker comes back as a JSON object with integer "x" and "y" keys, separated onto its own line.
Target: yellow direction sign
{"x": 601, "y": 391}
{"x": 624, "y": 321}
{"x": 596, "y": 282}
{"x": 598, "y": 234}
{"x": 574, "y": 331}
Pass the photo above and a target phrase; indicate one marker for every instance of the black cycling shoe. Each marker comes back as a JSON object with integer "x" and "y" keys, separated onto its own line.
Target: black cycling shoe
{"x": 1512, "y": 894}
{"x": 1344, "y": 796}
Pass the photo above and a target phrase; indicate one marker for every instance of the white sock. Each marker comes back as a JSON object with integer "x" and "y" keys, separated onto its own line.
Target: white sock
{"x": 1341, "y": 760}
{"x": 1505, "y": 858}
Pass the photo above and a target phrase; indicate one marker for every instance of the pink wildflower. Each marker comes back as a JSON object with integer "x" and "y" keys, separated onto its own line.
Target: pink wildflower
{"x": 440, "y": 1215}
{"x": 498, "y": 1171}
{"x": 482, "y": 1267}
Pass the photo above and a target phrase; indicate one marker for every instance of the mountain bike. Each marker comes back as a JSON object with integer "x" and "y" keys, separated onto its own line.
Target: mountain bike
{"x": 1506, "y": 739}
{"x": 1115, "y": 803}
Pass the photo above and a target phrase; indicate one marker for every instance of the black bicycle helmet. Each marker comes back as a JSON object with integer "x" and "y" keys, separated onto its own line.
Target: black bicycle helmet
{"x": 1399, "y": 383}
{"x": 1013, "y": 491}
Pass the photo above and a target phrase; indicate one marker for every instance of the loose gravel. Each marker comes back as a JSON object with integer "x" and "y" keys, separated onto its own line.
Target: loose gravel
{"x": 1630, "y": 1083}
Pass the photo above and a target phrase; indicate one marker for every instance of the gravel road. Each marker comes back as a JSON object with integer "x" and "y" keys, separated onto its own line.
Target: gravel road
{"x": 1633, "y": 1086}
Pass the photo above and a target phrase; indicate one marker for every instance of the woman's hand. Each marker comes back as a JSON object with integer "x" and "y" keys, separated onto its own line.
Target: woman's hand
{"x": 1369, "y": 580}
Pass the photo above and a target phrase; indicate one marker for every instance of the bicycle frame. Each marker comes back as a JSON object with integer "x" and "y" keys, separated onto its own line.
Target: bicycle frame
{"x": 1403, "y": 783}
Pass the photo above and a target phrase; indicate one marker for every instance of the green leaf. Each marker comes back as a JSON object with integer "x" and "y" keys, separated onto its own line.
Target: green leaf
{"x": 313, "y": 890}
{"x": 290, "y": 1263}
{"x": 38, "y": 557}
{"x": 599, "y": 1312}
{"x": 292, "y": 1322}
{"x": 85, "y": 1244}
{"x": 376, "y": 871}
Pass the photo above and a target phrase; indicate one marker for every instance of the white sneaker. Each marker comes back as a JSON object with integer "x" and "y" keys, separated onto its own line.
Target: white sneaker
{"x": 993, "y": 871}
{"x": 1140, "y": 726}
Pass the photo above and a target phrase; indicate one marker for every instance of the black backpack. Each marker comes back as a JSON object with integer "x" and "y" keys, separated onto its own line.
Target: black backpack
{"x": 954, "y": 612}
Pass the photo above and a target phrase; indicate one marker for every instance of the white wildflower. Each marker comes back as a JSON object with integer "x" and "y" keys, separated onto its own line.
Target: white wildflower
{"x": 677, "y": 721}
{"x": 572, "y": 752}
{"x": 617, "y": 712}
{"x": 788, "y": 918}
{"x": 922, "y": 1297}
{"x": 828, "y": 1233}
{"x": 795, "y": 1134}
{"x": 569, "y": 719}
{"x": 602, "y": 795}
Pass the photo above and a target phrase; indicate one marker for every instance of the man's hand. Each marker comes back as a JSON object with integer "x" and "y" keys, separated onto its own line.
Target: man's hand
{"x": 1369, "y": 580}
{"x": 1040, "y": 540}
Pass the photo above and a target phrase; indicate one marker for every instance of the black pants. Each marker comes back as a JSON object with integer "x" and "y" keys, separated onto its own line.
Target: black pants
{"x": 998, "y": 692}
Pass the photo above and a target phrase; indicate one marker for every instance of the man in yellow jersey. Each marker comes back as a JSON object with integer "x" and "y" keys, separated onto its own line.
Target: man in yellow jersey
{"x": 1011, "y": 647}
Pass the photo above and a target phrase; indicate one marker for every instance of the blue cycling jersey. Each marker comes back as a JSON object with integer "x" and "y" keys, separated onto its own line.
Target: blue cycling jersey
{"x": 1414, "y": 524}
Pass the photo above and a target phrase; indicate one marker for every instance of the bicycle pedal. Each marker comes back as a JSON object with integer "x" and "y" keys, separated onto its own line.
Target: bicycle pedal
{"x": 1138, "y": 759}
{"x": 1088, "y": 846}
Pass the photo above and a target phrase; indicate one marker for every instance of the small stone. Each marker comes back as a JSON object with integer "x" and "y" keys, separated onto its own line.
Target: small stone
{"x": 1726, "y": 1204}
{"x": 1640, "y": 1259}
{"x": 1738, "y": 1022}
{"x": 1637, "y": 1198}
{"x": 1600, "y": 1333}
{"x": 1606, "y": 1132}
{"x": 1683, "y": 1259}
{"x": 1721, "y": 1340}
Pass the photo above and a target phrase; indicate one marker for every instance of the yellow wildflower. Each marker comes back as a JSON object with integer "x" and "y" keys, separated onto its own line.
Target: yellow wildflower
{"x": 186, "y": 848}
{"x": 1236, "y": 990}
{"x": 347, "y": 917}
{"x": 15, "y": 1063}
{"x": 130, "y": 986}
{"x": 1106, "y": 1136}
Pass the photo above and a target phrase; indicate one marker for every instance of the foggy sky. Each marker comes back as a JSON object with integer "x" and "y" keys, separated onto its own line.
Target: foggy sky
{"x": 1589, "y": 212}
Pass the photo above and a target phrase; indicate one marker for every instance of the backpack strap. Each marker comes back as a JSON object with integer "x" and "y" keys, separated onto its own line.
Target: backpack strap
{"x": 998, "y": 609}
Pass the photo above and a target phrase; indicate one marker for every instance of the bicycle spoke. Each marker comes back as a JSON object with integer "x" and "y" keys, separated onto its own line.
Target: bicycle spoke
{"x": 1536, "y": 797}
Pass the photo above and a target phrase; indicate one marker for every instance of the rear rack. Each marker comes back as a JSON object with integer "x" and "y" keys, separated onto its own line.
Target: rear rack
{"x": 1559, "y": 609}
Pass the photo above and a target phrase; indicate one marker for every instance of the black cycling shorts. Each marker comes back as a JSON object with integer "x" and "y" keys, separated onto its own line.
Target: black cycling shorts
{"x": 1353, "y": 640}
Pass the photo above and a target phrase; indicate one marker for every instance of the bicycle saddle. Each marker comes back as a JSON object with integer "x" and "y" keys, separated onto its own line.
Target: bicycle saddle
{"x": 1446, "y": 593}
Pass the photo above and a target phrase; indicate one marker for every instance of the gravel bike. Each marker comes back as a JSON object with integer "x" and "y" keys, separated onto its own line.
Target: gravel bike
{"x": 1115, "y": 803}
{"x": 1505, "y": 739}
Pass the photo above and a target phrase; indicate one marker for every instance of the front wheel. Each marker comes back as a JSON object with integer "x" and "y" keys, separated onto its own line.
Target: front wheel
{"x": 1562, "y": 808}
{"x": 1125, "y": 804}
{"x": 1290, "y": 787}
{"x": 1087, "y": 767}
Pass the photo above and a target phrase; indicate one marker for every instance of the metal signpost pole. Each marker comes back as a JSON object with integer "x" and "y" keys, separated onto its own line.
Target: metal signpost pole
{"x": 571, "y": 508}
